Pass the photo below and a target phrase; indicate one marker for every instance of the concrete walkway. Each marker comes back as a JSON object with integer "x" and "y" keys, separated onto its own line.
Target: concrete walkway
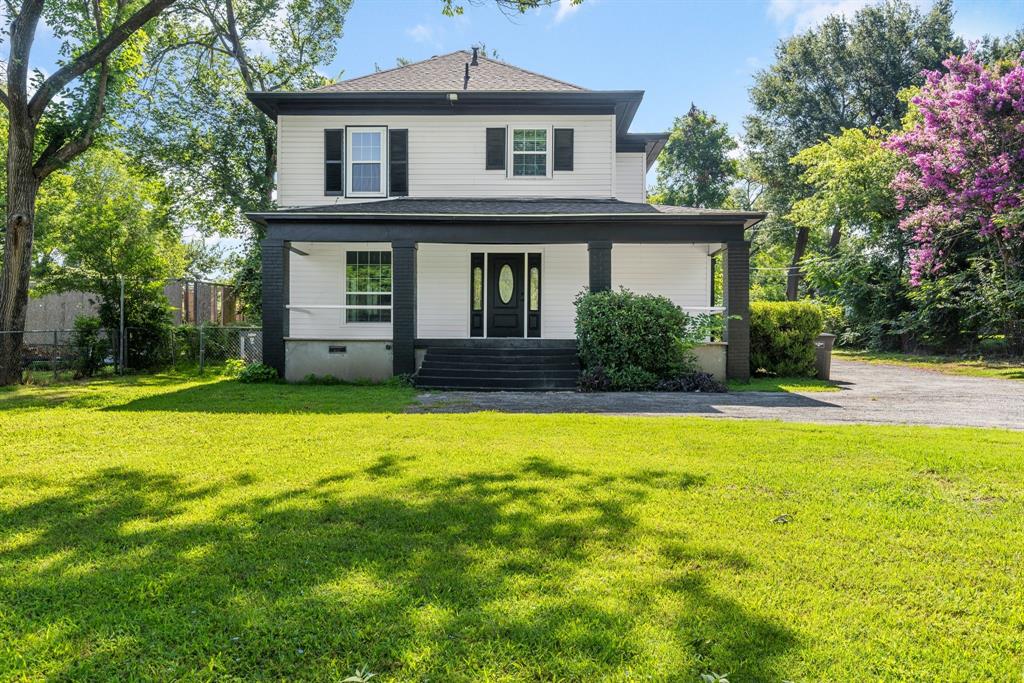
{"x": 869, "y": 393}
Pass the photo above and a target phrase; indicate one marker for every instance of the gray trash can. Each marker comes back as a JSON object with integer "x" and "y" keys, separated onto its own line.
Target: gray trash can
{"x": 823, "y": 354}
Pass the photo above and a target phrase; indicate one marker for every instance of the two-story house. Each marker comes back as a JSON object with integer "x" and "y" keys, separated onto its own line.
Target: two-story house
{"x": 442, "y": 216}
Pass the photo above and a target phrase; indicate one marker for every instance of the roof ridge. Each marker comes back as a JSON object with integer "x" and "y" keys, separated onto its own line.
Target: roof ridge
{"x": 534, "y": 73}
{"x": 394, "y": 68}
{"x": 546, "y": 82}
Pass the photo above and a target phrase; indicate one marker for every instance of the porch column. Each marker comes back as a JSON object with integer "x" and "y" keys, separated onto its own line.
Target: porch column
{"x": 403, "y": 306}
{"x": 600, "y": 266}
{"x": 275, "y": 298}
{"x": 736, "y": 276}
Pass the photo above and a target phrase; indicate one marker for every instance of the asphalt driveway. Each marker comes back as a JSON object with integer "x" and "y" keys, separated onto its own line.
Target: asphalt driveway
{"x": 869, "y": 393}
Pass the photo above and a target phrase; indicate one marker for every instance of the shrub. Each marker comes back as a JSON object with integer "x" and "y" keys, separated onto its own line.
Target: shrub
{"x": 233, "y": 367}
{"x": 620, "y": 330}
{"x": 632, "y": 378}
{"x": 256, "y": 373}
{"x": 594, "y": 379}
{"x": 782, "y": 335}
{"x": 695, "y": 381}
{"x": 90, "y": 346}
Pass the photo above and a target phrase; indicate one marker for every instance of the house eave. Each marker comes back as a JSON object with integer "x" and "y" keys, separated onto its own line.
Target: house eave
{"x": 745, "y": 216}
{"x": 622, "y": 103}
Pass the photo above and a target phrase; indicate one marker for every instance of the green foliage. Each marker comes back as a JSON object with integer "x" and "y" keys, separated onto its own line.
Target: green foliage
{"x": 633, "y": 337}
{"x": 257, "y": 373}
{"x": 90, "y": 346}
{"x": 844, "y": 73}
{"x": 109, "y": 221}
{"x": 233, "y": 367}
{"x": 694, "y": 168}
{"x": 782, "y": 337}
{"x": 631, "y": 378}
{"x": 865, "y": 273}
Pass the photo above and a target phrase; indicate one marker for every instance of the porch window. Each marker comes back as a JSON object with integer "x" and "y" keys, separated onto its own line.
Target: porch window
{"x": 366, "y": 167}
{"x": 368, "y": 286}
{"x": 529, "y": 152}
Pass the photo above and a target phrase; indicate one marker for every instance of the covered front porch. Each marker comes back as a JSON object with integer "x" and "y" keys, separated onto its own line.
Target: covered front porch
{"x": 363, "y": 296}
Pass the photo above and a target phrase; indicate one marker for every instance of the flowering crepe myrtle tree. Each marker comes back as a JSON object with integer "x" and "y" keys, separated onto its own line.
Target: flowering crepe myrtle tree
{"x": 963, "y": 189}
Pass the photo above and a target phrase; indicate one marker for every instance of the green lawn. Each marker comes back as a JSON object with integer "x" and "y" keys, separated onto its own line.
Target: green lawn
{"x": 787, "y": 384}
{"x": 1002, "y": 368}
{"x": 164, "y": 529}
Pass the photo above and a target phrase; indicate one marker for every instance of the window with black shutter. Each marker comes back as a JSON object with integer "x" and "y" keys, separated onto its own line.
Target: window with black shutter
{"x": 398, "y": 151}
{"x": 334, "y": 162}
{"x": 563, "y": 149}
{"x": 495, "y": 149}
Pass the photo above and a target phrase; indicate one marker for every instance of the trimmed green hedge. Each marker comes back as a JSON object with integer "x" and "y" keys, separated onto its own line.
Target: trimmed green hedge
{"x": 635, "y": 338}
{"x": 782, "y": 335}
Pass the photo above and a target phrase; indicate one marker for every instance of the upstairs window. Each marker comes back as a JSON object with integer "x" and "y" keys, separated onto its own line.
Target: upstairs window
{"x": 366, "y": 168}
{"x": 368, "y": 287}
{"x": 529, "y": 152}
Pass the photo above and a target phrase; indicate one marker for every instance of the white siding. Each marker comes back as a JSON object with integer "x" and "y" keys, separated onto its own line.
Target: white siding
{"x": 446, "y": 157}
{"x": 318, "y": 279}
{"x": 566, "y": 271}
{"x": 442, "y": 287}
{"x": 679, "y": 271}
{"x": 631, "y": 176}
{"x": 442, "y": 291}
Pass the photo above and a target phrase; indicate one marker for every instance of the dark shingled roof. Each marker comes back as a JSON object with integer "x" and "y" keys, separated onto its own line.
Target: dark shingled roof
{"x": 537, "y": 207}
{"x": 446, "y": 73}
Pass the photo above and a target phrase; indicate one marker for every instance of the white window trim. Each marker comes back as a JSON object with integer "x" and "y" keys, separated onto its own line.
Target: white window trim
{"x": 510, "y": 165}
{"x": 345, "y": 306}
{"x": 383, "y": 131}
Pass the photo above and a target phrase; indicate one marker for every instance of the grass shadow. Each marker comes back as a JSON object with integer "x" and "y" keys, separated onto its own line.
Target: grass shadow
{"x": 131, "y": 575}
{"x": 235, "y": 397}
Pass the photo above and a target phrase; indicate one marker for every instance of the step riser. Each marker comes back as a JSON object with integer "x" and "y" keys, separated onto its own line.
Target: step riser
{"x": 431, "y": 364}
{"x": 487, "y": 375}
{"x": 503, "y": 352}
{"x": 477, "y": 385}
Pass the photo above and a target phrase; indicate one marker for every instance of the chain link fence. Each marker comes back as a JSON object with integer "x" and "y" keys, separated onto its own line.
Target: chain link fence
{"x": 55, "y": 352}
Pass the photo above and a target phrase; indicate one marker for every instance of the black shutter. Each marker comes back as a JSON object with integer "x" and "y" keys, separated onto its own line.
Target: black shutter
{"x": 495, "y": 149}
{"x": 334, "y": 162}
{"x": 398, "y": 157}
{"x": 563, "y": 149}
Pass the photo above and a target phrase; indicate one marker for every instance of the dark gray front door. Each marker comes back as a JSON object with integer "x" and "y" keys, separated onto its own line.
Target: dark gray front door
{"x": 505, "y": 295}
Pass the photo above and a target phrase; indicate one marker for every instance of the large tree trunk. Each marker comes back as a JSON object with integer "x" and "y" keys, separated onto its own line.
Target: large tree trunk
{"x": 794, "y": 275}
{"x": 22, "y": 188}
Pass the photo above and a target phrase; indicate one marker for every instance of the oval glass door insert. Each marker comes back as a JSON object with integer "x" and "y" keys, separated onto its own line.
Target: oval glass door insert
{"x": 506, "y": 283}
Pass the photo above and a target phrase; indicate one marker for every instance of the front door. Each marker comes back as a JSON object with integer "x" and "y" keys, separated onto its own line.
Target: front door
{"x": 505, "y": 295}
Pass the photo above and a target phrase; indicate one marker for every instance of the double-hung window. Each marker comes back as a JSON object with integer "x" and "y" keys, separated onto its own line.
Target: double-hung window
{"x": 368, "y": 286}
{"x": 367, "y": 172}
{"x": 530, "y": 152}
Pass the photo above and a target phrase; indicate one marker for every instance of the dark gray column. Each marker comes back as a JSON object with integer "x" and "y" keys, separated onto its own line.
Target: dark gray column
{"x": 600, "y": 266}
{"x": 275, "y": 298}
{"x": 736, "y": 276}
{"x": 403, "y": 306}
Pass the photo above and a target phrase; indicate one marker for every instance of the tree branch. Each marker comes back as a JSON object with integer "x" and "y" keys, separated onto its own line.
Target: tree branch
{"x": 53, "y": 157}
{"x": 97, "y": 54}
{"x": 23, "y": 32}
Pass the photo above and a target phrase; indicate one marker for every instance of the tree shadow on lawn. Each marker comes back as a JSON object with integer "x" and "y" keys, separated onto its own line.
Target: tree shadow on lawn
{"x": 235, "y": 397}
{"x": 128, "y": 574}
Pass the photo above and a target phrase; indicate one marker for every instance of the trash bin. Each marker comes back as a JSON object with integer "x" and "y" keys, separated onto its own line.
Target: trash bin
{"x": 823, "y": 354}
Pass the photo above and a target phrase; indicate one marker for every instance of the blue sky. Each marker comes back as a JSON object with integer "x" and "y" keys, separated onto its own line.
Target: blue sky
{"x": 678, "y": 51}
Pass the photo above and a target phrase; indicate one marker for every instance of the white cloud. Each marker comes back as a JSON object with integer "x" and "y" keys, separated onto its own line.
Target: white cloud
{"x": 566, "y": 8}
{"x": 421, "y": 33}
{"x": 800, "y": 15}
